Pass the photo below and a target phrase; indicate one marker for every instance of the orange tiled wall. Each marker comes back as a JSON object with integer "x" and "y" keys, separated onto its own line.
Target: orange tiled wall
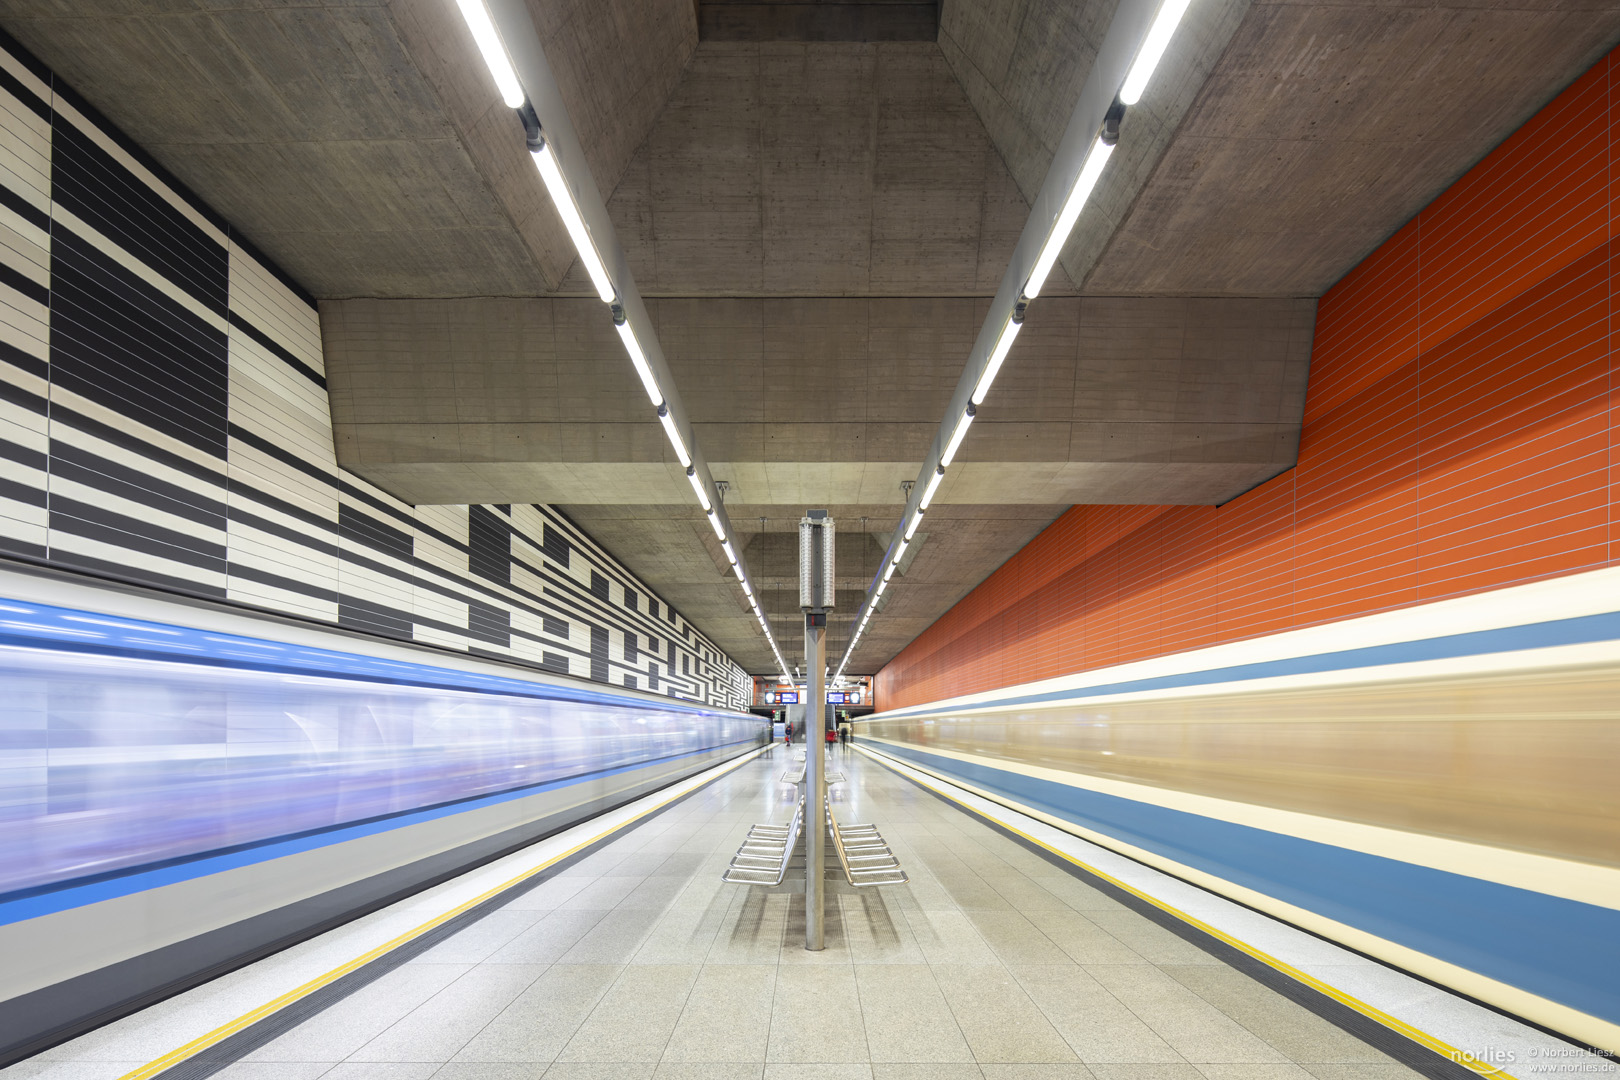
{"x": 1459, "y": 432}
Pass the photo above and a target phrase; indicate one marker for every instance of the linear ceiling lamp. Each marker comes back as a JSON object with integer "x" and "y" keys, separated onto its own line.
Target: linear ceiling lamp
{"x": 1152, "y": 50}
{"x": 1136, "y": 41}
{"x": 488, "y": 40}
{"x": 671, "y": 429}
{"x": 545, "y": 159}
{"x": 485, "y": 20}
{"x": 703, "y": 500}
{"x": 638, "y": 356}
{"x": 1084, "y": 184}
{"x": 962, "y": 425}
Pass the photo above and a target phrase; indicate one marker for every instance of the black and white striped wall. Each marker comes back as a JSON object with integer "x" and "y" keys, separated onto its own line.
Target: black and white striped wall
{"x": 164, "y": 419}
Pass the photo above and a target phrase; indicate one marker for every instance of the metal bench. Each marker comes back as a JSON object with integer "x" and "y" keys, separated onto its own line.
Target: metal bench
{"x": 764, "y": 856}
{"x": 866, "y": 859}
{"x": 795, "y": 778}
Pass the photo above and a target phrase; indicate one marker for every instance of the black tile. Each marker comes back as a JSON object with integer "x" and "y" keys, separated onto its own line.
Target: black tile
{"x": 121, "y": 343}
{"x": 360, "y": 614}
{"x": 489, "y": 624}
{"x": 358, "y": 527}
{"x": 96, "y": 188}
{"x": 489, "y": 543}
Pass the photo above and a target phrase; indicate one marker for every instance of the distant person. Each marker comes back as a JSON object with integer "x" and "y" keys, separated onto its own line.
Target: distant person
{"x": 843, "y": 733}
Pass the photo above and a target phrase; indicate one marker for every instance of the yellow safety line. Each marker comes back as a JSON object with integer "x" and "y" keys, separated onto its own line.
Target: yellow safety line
{"x": 1422, "y": 1038}
{"x": 247, "y": 1019}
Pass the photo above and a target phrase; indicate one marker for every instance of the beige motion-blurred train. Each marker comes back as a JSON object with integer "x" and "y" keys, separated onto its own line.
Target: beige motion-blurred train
{"x": 1435, "y": 786}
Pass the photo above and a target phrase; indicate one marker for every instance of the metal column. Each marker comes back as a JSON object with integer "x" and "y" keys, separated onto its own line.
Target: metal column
{"x": 815, "y": 784}
{"x": 815, "y": 597}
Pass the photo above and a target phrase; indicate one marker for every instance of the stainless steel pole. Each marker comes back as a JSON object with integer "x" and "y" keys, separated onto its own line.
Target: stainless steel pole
{"x": 815, "y": 785}
{"x": 816, "y": 597}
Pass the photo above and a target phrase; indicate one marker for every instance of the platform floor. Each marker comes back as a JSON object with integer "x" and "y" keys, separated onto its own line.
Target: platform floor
{"x": 638, "y": 962}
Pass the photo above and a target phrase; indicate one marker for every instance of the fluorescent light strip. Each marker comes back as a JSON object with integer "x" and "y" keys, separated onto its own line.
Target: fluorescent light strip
{"x": 1009, "y": 332}
{"x": 1152, "y": 51}
{"x": 736, "y": 568}
{"x": 545, "y": 159}
{"x": 488, "y": 40}
{"x": 697, "y": 486}
{"x": 1090, "y": 171}
{"x": 933, "y": 486}
{"x": 731, "y": 555}
{"x": 900, "y": 551}
{"x": 911, "y": 529}
{"x": 675, "y": 439}
{"x": 962, "y": 425}
{"x": 719, "y": 529}
{"x": 628, "y": 335}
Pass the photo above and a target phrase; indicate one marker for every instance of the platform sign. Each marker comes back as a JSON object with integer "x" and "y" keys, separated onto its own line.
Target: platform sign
{"x": 784, "y": 698}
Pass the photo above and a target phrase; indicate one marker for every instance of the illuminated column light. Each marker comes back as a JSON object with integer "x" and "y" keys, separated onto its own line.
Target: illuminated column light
{"x": 1090, "y": 172}
{"x": 545, "y": 159}
{"x": 1152, "y": 51}
{"x": 916, "y": 520}
{"x": 493, "y": 51}
{"x": 719, "y": 529}
{"x": 731, "y": 555}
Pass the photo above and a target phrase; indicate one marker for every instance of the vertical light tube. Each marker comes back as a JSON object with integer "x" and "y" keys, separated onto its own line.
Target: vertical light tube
{"x": 490, "y": 47}
{"x": 964, "y": 422}
{"x": 933, "y": 486}
{"x": 1090, "y": 172}
{"x": 1152, "y": 50}
{"x": 675, "y": 440}
{"x": 638, "y": 358}
{"x": 1004, "y": 343}
{"x": 545, "y": 159}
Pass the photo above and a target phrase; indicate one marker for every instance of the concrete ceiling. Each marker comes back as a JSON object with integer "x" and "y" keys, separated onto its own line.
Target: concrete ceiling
{"x": 818, "y": 204}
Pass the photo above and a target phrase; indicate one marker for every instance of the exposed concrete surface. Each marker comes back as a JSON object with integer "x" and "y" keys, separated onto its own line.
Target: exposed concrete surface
{"x": 816, "y": 169}
{"x": 819, "y": 225}
{"x": 361, "y": 145}
{"x": 807, "y": 398}
{"x": 1325, "y": 127}
{"x": 961, "y": 550}
{"x": 816, "y": 402}
{"x": 818, "y": 20}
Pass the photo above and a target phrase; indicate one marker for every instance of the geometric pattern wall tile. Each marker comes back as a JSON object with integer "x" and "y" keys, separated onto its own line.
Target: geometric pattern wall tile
{"x": 164, "y": 419}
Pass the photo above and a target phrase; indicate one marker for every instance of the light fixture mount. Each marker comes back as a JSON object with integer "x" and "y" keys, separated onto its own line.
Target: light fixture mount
{"x": 531, "y": 128}
{"x": 1110, "y": 125}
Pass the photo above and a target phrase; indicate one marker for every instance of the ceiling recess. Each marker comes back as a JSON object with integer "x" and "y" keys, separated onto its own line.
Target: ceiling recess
{"x": 817, "y": 20}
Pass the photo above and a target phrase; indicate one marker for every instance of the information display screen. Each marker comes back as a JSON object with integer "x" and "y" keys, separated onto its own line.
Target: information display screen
{"x": 838, "y": 698}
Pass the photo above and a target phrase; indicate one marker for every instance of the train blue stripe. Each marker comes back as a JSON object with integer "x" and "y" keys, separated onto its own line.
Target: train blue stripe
{"x": 1580, "y": 630}
{"x": 25, "y": 624}
{"x": 1561, "y": 949}
{"x": 34, "y": 903}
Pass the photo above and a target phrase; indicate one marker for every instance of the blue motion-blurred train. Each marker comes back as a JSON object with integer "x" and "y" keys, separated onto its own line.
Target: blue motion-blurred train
{"x": 183, "y": 788}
